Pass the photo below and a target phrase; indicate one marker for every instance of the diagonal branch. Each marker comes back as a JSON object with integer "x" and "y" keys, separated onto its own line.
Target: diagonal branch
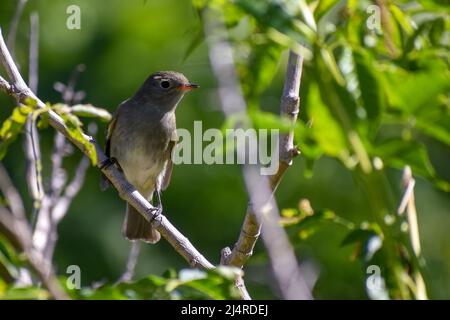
{"x": 131, "y": 262}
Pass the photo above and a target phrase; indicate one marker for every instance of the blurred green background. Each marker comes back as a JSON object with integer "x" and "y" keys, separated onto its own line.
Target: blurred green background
{"x": 121, "y": 43}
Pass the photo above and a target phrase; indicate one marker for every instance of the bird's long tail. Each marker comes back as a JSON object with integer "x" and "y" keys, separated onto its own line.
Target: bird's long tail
{"x": 135, "y": 227}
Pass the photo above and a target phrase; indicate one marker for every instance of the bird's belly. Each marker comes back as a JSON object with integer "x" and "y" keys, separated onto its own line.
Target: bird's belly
{"x": 140, "y": 166}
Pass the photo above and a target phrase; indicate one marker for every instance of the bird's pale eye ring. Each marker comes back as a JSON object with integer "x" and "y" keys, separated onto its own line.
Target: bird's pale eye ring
{"x": 165, "y": 84}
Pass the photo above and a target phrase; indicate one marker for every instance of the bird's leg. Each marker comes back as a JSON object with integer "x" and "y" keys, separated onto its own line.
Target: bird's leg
{"x": 158, "y": 208}
{"x": 109, "y": 162}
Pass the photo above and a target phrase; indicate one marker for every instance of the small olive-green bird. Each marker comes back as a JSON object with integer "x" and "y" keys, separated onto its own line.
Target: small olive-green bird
{"x": 140, "y": 140}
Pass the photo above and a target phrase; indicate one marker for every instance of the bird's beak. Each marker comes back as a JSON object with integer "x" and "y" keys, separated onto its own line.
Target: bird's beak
{"x": 187, "y": 87}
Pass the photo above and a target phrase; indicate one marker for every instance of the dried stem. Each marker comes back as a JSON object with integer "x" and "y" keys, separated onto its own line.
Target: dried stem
{"x": 17, "y": 228}
{"x": 14, "y": 24}
{"x": 33, "y": 78}
{"x": 408, "y": 204}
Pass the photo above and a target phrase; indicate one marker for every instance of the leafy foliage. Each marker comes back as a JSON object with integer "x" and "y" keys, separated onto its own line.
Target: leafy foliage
{"x": 375, "y": 87}
{"x": 187, "y": 284}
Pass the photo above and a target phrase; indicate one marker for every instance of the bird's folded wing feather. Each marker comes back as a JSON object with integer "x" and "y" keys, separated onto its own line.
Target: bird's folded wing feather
{"x": 104, "y": 182}
{"x": 169, "y": 165}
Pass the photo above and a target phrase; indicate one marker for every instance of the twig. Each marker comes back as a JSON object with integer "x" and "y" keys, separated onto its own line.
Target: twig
{"x": 14, "y": 24}
{"x": 289, "y": 108}
{"x": 32, "y": 147}
{"x": 23, "y": 238}
{"x": 18, "y": 228}
{"x": 5, "y": 86}
{"x": 55, "y": 206}
{"x": 60, "y": 146}
{"x": 33, "y": 77}
{"x": 11, "y": 194}
{"x": 262, "y": 206}
{"x": 408, "y": 203}
{"x": 126, "y": 191}
{"x": 131, "y": 262}
{"x": 409, "y": 183}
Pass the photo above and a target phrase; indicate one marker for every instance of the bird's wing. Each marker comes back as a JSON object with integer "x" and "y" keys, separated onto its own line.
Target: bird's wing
{"x": 104, "y": 182}
{"x": 169, "y": 165}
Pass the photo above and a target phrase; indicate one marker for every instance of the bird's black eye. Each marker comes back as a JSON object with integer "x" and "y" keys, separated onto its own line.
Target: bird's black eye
{"x": 165, "y": 84}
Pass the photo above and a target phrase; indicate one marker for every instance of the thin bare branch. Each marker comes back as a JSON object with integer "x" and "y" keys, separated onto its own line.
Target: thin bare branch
{"x": 34, "y": 163}
{"x": 5, "y": 86}
{"x": 289, "y": 108}
{"x": 131, "y": 262}
{"x": 17, "y": 225}
{"x": 11, "y": 194}
{"x": 59, "y": 175}
{"x": 262, "y": 206}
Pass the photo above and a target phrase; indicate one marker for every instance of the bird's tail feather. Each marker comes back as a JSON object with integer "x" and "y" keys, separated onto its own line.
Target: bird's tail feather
{"x": 135, "y": 227}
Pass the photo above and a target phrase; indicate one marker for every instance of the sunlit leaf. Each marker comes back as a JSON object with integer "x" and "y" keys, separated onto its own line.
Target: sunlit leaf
{"x": 410, "y": 91}
{"x": 369, "y": 84}
{"x": 12, "y": 127}
{"x": 89, "y": 111}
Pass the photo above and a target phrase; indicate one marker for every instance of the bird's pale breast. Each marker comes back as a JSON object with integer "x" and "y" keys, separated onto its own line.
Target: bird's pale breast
{"x": 140, "y": 143}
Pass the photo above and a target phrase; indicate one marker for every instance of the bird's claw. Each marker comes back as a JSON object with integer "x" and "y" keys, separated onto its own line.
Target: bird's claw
{"x": 153, "y": 213}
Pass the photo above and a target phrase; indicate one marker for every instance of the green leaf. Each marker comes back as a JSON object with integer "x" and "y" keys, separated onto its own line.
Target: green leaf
{"x": 74, "y": 124}
{"x": 439, "y": 130}
{"x": 402, "y": 19}
{"x": 411, "y": 92}
{"x": 260, "y": 69}
{"x": 330, "y": 62}
{"x": 195, "y": 42}
{"x": 398, "y": 153}
{"x": 325, "y": 129}
{"x": 436, "y": 31}
{"x": 9, "y": 260}
{"x": 369, "y": 84}
{"x": 89, "y": 111}
{"x": 12, "y": 127}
